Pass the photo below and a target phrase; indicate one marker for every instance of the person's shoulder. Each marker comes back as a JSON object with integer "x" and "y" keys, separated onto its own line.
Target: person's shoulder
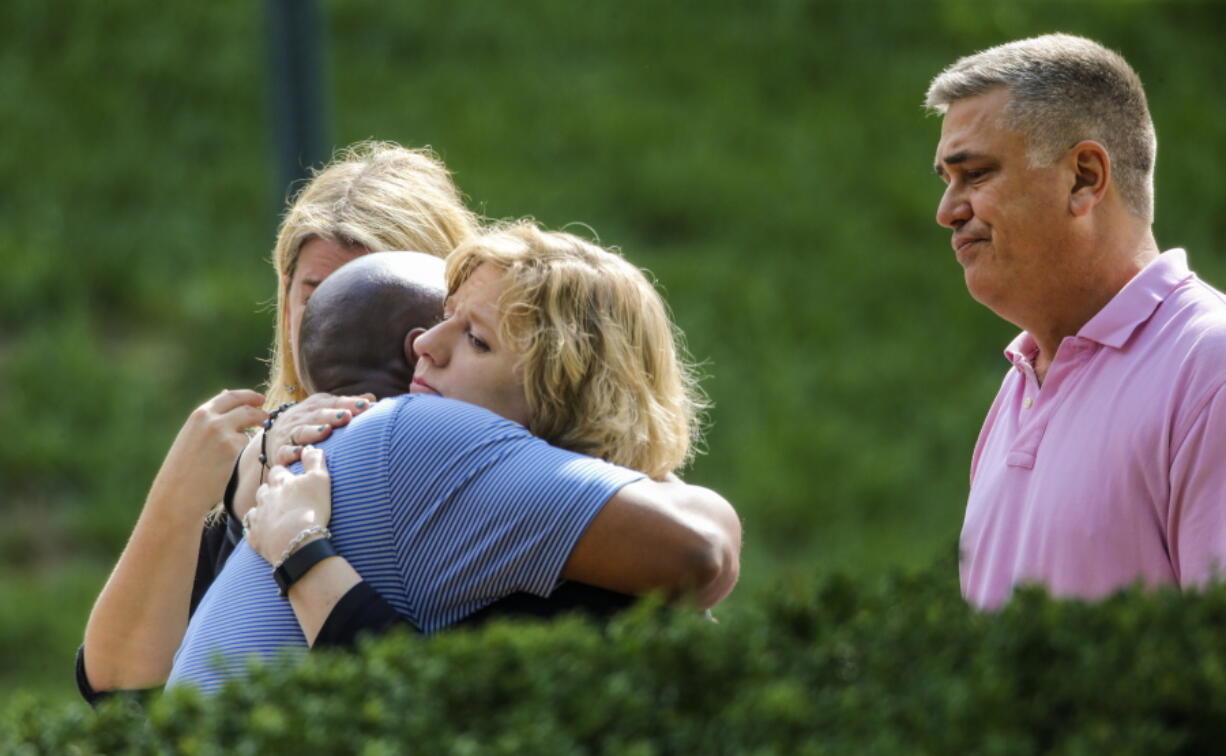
{"x": 424, "y": 408}
{"x": 1206, "y": 295}
{"x": 1206, "y": 308}
{"x": 422, "y": 427}
{"x": 1193, "y": 337}
{"x": 1196, "y": 312}
{"x": 437, "y": 418}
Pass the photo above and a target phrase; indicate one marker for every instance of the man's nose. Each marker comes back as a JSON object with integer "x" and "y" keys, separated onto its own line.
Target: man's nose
{"x": 954, "y": 209}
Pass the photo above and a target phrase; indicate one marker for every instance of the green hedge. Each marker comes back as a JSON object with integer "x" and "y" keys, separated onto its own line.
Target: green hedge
{"x": 831, "y": 666}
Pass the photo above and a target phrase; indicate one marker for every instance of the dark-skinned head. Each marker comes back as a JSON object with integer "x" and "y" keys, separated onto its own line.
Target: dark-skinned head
{"x": 358, "y": 328}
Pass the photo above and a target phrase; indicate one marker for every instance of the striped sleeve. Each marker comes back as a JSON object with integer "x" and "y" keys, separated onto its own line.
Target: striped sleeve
{"x": 480, "y": 508}
{"x": 241, "y": 619}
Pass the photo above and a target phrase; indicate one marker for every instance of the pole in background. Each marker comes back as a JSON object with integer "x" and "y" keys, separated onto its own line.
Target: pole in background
{"x": 296, "y": 64}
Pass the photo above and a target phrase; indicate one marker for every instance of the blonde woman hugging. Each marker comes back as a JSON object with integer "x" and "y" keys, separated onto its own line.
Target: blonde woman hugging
{"x": 547, "y": 412}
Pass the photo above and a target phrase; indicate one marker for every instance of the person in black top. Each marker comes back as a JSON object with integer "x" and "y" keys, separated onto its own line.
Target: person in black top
{"x": 373, "y": 196}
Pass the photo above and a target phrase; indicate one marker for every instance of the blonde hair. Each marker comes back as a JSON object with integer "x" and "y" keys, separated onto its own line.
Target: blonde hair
{"x": 373, "y": 196}
{"x": 603, "y": 365}
{"x": 1063, "y": 89}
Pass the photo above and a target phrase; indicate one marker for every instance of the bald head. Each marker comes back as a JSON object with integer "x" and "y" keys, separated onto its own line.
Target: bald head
{"x": 355, "y": 335}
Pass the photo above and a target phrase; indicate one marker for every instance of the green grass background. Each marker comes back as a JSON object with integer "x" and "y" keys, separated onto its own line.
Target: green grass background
{"x": 769, "y": 162}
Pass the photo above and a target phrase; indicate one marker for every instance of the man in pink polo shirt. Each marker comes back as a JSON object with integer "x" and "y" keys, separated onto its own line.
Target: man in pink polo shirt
{"x": 1102, "y": 461}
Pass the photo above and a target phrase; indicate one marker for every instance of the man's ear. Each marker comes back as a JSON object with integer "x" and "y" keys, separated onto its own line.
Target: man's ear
{"x": 1091, "y": 176}
{"x": 409, "y": 355}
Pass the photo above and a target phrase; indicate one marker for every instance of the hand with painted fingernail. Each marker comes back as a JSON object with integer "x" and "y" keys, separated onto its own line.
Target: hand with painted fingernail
{"x": 310, "y": 422}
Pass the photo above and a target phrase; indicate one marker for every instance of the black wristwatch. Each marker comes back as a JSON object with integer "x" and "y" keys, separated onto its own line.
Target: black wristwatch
{"x": 301, "y": 561}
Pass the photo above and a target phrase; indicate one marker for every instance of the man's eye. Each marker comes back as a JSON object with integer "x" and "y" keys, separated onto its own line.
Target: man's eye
{"x": 976, "y": 174}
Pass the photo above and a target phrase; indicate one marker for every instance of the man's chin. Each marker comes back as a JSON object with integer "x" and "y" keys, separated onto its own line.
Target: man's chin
{"x": 991, "y": 294}
{"x": 982, "y": 287}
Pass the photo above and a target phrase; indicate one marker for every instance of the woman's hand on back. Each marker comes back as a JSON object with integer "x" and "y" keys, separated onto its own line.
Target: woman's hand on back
{"x": 288, "y": 504}
{"x": 194, "y": 474}
{"x": 310, "y": 422}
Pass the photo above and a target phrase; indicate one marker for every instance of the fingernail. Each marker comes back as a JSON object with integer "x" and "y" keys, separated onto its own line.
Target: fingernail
{"x": 321, "y": 428}
{"x": 362, "y": 404}
{"x": 340, "y": 415}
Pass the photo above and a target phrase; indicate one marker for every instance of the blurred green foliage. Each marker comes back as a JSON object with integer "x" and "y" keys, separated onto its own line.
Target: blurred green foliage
{"x": 768, "y": 162}
{"x": 898, "y": 665}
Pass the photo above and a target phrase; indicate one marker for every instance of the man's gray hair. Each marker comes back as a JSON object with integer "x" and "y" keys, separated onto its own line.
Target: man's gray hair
{"x": 1063, "y": 89}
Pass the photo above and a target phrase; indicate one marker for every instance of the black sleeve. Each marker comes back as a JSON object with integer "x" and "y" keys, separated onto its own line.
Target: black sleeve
{"x": 91, "y": 696}
{"x": 94, "y": 697}
{"x": 220, "y": 538}
{"x": 361, "y": 610}
{"x": 570, "y": 598}
{"x": 217, "y": 543}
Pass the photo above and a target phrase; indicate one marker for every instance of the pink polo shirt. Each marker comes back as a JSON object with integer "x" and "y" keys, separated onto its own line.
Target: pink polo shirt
{"x": 1114, "y": 470}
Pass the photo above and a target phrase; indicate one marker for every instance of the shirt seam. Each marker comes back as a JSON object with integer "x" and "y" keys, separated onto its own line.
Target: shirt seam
{"x": 1195, "y": 414}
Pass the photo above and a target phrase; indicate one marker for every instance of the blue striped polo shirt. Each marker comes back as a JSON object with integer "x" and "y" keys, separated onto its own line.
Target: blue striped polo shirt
{"x": 443, "y": 507}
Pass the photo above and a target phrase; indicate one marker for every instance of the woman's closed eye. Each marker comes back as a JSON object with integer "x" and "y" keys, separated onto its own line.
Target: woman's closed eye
{"x": 476, "y": 341}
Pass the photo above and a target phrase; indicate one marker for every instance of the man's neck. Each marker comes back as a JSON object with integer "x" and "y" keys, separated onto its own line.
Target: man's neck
{"x": 1065, "y": 314}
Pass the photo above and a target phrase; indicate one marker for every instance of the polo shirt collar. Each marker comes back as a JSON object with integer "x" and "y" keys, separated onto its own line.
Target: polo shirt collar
{"x": 1022, "y": 349}
{"x": 1127, "y": 311}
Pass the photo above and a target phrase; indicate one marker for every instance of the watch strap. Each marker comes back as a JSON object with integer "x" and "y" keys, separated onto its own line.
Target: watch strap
{"x": 301, "y": 561}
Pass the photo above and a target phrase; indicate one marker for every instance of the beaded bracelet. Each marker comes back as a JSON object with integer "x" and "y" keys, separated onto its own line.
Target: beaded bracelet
{"x": 298, "y": 539}
{"x": 272, "y": 416}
